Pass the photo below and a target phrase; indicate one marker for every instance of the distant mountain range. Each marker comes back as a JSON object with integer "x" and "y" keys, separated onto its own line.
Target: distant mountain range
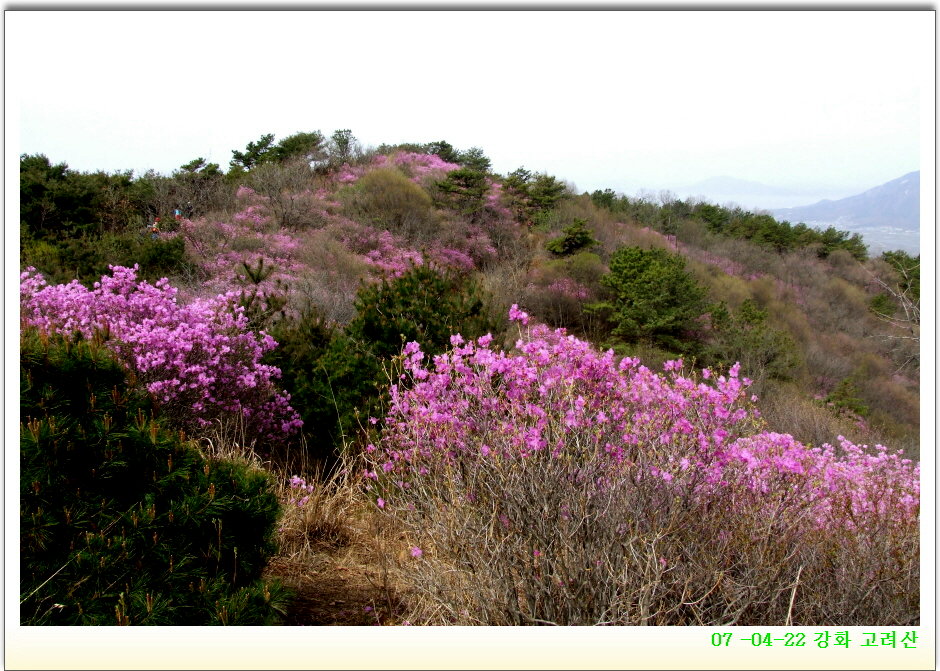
{"x": 754, "y": 195}
{"x": 887, "y": 216}
{"x": 734, "y": 186}
{"x": 895, "y": 203}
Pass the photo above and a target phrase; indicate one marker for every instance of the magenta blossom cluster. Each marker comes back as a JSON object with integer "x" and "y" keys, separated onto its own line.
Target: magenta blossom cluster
{"x": 569, "y": 288}
{"x": 494, "y": 199}
{"x": 200, "y": 361}
{"x": 221, "y": 247}
{"x": 557, "y": 397}
{"x": 301, "y": 490}
{"x": 389, "y": 256}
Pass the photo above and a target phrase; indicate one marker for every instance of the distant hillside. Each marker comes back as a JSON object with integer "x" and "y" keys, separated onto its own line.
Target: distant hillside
{"x": 888, "y": 216}
{"x": 754, "y": 195}
{"x": 733, "y": 185}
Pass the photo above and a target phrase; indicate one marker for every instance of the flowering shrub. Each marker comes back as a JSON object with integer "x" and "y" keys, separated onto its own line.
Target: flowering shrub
{"x": 416, "y": 166}
{"x": 199, "y": 361}
{"x": 495, "y": 197}
{"x": 557, "y": 484}
{"x": 555, "y": 298}
{"x": 221, "y": 247}
{"x": 389, "y": 256}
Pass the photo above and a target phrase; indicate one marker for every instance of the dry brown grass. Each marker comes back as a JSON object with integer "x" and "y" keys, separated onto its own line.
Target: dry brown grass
{"x": 331, "y": 550}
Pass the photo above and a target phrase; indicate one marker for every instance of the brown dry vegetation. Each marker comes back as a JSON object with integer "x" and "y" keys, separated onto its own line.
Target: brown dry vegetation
{"x": 332, "y": 552}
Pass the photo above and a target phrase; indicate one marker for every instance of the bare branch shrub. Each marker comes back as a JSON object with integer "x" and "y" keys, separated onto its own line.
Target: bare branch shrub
{"x": 287, "y": 187}
{"x": 331, "y": 277}
{"x": 521, "y": 499}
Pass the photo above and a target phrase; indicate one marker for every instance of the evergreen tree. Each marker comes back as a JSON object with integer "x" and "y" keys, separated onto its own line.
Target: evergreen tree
{"x": 464, "y": 190}
{"x": 574, "y": 238}
{"x": 747, "y": 338}
{"x": 121, "y": 520}
{"x": 654, "y": 298}
{"x": 255, "y": 153}
{"x": 337, "y": 380}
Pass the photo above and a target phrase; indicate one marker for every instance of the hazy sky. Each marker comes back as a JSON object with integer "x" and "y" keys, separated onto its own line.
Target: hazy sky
{"x": 624, "y": 100}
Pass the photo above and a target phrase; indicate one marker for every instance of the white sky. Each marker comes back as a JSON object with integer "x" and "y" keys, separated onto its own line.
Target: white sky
{"x": 625, "y": 100}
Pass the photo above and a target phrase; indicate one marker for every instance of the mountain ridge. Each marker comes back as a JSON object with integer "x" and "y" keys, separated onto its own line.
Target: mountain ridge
{"x": 894, "y": 203}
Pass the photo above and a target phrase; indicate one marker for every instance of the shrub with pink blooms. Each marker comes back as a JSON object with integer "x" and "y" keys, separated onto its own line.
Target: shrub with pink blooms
{"x": 221, "y": 247}
{"x": 200, "y": 361}
{"x": 555, "y": 484}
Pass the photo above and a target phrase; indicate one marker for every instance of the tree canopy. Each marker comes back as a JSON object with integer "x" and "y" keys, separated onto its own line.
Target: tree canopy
{"x": 653, "y": 297}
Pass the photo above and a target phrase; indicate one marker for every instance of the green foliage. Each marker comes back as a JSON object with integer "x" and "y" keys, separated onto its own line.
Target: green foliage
{"x": 386, "y": 199}
{"x": 40, "y": 197}
{"x": 262, "y": 302}
{"x": 574, "y": 238}
{"x": 121, "y": 521}
{"x": 73, "y": 224}
{"x": 882, "y": 305}
{"x": 156, "y": 258}
{"x": 762, "y": 229}
{"x": 715, "y": 218}
{"x": 654, "y": 298}
{"x": 443, "y": 149}
{"x": 200, "y": 166}
{"x": 833, "y": 239}
{"x": 337, "y": 380}
{"x": 531, "y": 195}
{"x": 746, "y": 337}
{"x": 423, "y": 305}
{"x": 304, "y": 352}
{"x": 87, "y": 258}
{"x": 473, "y": 159}
{"x": 343, "y": 146}
{"x": 605, "y": 198}
{"x": 844, "y": 399}
{"x": 255, "y": 153}
{"x": 386, "y": 149}
{"x": 545, "y": 191}
{"x": 306, "y": 146}
{"x": 585, "y": 267}
{"x": 463, "y": 190}
{"x": 196, "y": 188}
{"x": 57, "y": 202}
{"x": 908, "y": 269}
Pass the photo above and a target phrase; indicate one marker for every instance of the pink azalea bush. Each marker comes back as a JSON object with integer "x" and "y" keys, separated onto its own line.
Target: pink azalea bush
{"x": 220, "y": 247}
{"x": 389, "y": 256}
{"x": 558, "y": 484}
{"x": 200, "y": 361}
{"x": 420, "y": 168}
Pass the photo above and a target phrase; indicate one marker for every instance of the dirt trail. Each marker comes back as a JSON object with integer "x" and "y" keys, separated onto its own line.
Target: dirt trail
{"x": 334, "y": 591}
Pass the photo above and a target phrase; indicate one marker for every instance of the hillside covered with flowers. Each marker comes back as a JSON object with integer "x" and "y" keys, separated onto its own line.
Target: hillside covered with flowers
{"x": 542, "y": 406}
